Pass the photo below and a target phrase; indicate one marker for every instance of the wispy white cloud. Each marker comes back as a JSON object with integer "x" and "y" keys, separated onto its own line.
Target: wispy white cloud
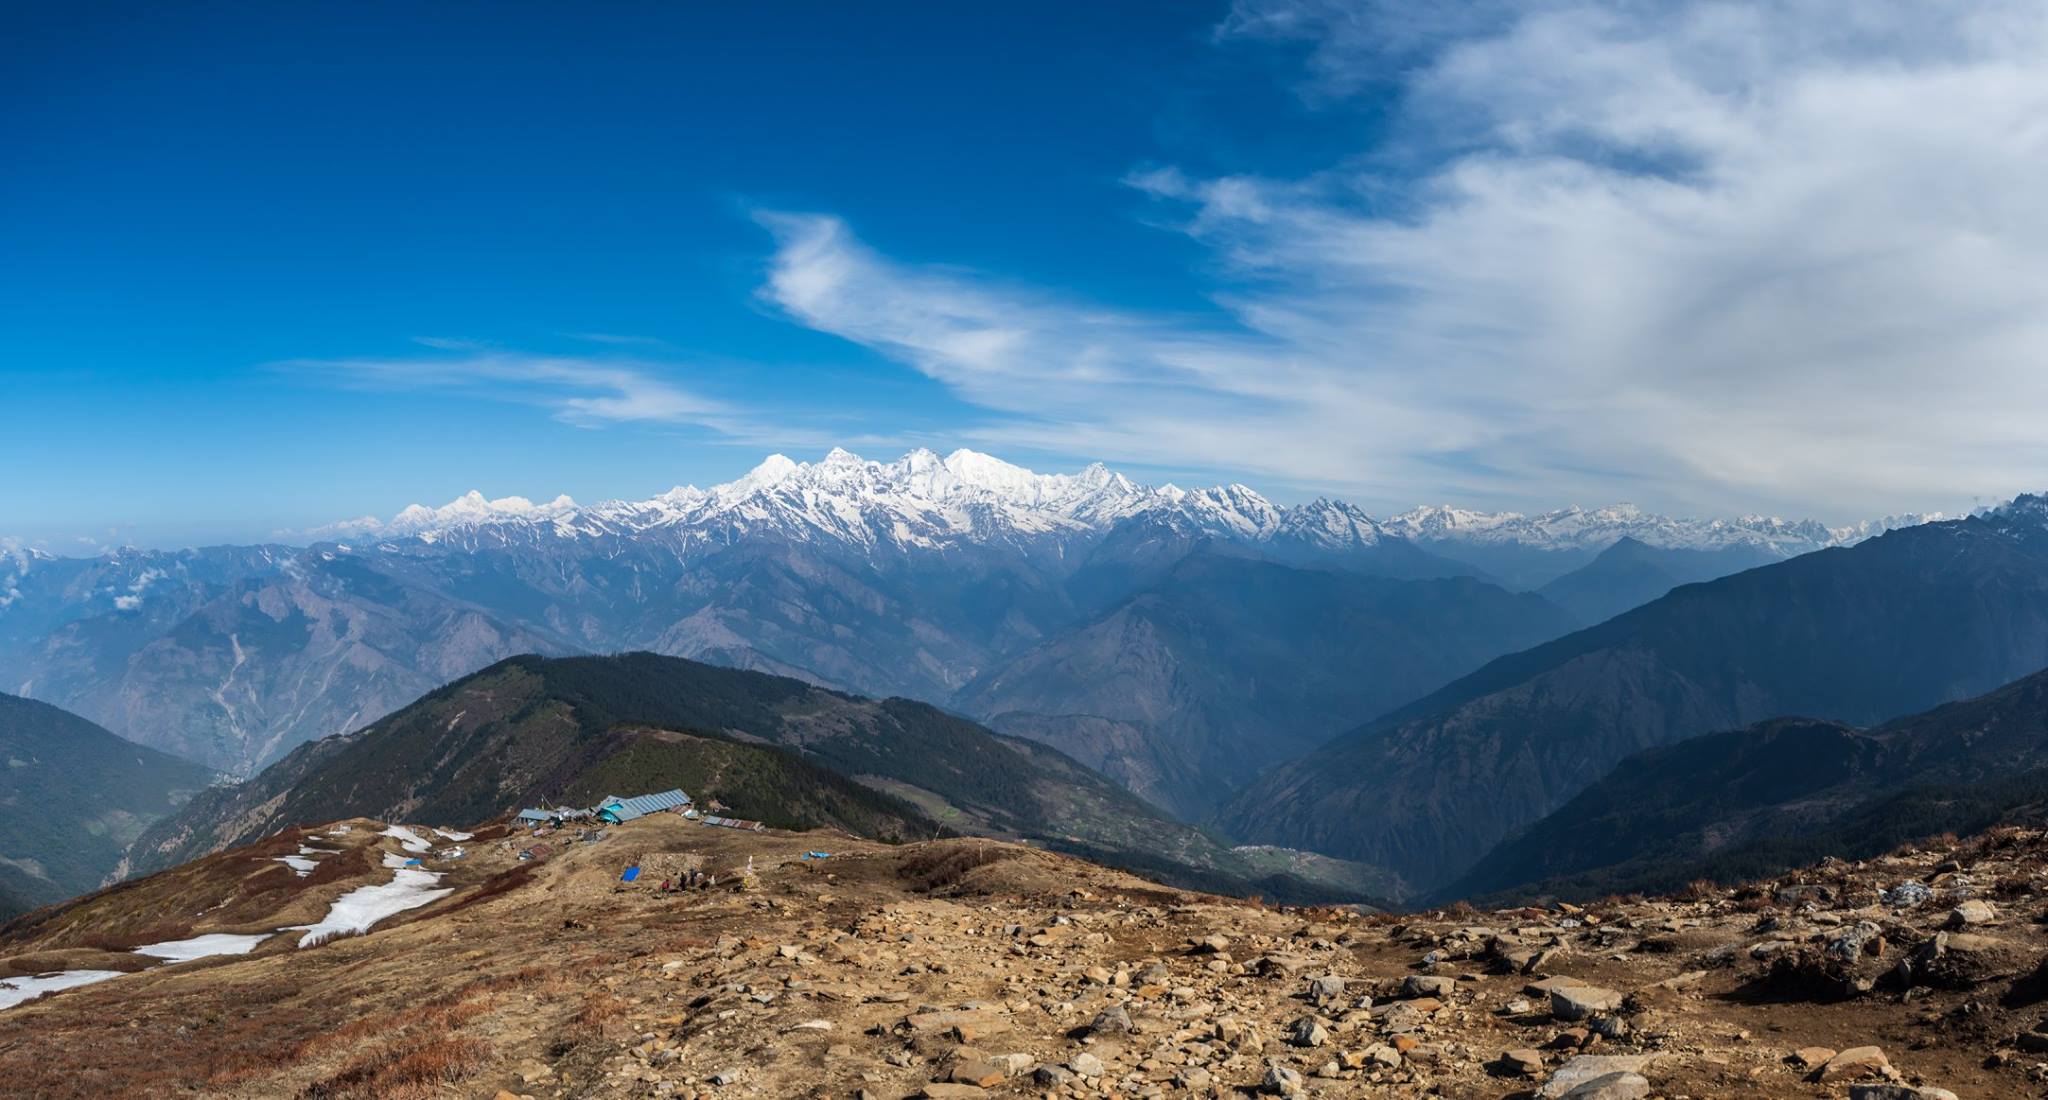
{"x": 1706, "y": 255}
{"x": 582, "y": 391}
{"x": 1072, "y": 377}
{"x": 616, "y": 339}
{"x": 595, "y": 392}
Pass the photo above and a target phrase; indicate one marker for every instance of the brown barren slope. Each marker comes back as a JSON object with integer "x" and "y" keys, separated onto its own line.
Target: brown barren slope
{"x": 1015, "y": 972}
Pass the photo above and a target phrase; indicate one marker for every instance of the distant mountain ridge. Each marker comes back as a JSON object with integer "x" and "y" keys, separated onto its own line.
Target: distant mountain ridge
{"x": 570, "y": 730}
{"x": 72, "y": 797}
{"x": 1229, "y": 664}
{"x": 1631, "y": 573}
{"x": 910, "y": 578}
{"x": 1759, "y": 799}
{"x": 1891, "y": 626}
{"x": 970, "y": 494}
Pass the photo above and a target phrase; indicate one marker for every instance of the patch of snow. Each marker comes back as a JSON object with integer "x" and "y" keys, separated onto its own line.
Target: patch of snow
{"x": 407, "y": 839}
{"x": 14, "y": 991}
{"x": 453, "y": 835}
{"x": 359, "y": 909}
{"x": 300, "y": 864}
{"x": 201, "y": 947}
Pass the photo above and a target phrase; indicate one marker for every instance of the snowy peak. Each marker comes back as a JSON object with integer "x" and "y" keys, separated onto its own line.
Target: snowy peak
{"x": 1594, "y": 528}
{"x": 1329, "y": 524}
{"x": 920, "y": 499}
{"x": 925, "y": 500}
{"x": 471, "y": 509}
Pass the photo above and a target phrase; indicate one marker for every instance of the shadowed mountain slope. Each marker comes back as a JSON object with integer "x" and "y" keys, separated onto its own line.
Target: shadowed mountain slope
{"x": 1891, "y": 626}
{"x": 1754, "y": 801}
{"x": 1631, "y": 573}
{"x": 1229, "y": 664}
{"x": 72, "y": 797}
{"x": 533, "y": 729}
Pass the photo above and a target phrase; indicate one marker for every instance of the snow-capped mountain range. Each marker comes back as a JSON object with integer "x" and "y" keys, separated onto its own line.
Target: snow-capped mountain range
{"x": 1209, "y": 628}
{"x": 925, "y": 500}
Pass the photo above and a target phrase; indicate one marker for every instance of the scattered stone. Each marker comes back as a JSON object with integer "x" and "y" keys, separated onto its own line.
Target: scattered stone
{"x": 1114, "y": 1020}
{"x": 976, "y": 1072}
{"x": 1973, "y": 911}
{"x": 1282, "y": 1081}
{"x": 1326, "y": 990}
{"x": 1608, "y": 1027}
{"x": 1811, "y": 1057}
{"x": 1856, "y": 1064}
{"x": 1526, "y": 1062}
{"x": 1579, "y": 1002}
{"x": 1855, "y": 941}
{"x": 1906, "y": 895}
{"x": 1428, "y": 985}
{"x": 1380, "y": 1054}
{"x": 1051, "y": 1076}
{"x": 1307, "y": 1032}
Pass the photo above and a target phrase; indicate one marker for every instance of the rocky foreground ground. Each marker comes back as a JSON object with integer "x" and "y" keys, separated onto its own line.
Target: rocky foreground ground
{"x": 969, "y": 968}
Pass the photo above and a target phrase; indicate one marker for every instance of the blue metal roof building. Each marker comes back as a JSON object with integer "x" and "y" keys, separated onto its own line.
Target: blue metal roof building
{"x": 620, "y": 810}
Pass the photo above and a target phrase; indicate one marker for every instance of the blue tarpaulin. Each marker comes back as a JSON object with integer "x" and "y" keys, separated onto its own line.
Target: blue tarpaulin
{"x": 631, "y": 874}
{"x": 817, "y": 855}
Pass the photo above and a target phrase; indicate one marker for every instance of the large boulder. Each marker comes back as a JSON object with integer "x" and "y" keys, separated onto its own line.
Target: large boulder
{"x": 1589, "y": 1069}
{"x": 1581, "y": 1002}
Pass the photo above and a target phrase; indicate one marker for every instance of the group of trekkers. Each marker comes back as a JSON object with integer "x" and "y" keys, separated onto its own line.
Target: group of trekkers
{"x": 691, "y": 879}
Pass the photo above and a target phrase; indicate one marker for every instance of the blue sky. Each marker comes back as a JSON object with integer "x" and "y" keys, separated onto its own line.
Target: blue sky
{"x": 265, "y": 266}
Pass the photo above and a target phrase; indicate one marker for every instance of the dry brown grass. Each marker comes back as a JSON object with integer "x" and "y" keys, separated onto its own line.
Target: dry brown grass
{"x": 128, "y": 941}
{"x": 1699, "y": 889}
{"x": 601, "y": 1017}
{"x": 942, "y": 864}
{"x": 501, "y": 883}
{"x": 414, "y": 1070}
{"x": 443, "y": 1014}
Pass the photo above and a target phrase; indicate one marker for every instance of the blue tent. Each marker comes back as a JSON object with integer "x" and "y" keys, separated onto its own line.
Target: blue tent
{"x": 631, "y": 874}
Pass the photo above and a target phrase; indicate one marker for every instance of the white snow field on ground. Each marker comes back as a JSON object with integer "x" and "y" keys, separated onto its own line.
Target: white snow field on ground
{"x": 407, "y": 839}
{"x": 455, "y": 836}
{"x": 201, "y": 947}
{"x": 14, "y": 991}
{"x": 304, "y": 862}
{"x": 360, "y": 908}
